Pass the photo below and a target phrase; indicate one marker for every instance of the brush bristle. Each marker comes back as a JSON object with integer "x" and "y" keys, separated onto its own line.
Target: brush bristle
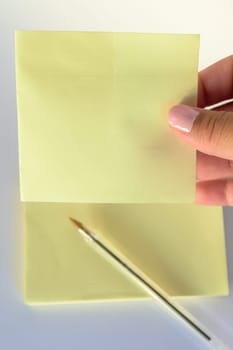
{"x": 76, "y": 223}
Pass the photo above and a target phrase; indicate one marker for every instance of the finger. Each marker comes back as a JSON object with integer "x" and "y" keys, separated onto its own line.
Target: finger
{"x": 211, "y": 168}
{"x": 208, "y": 131}
{"x": 215, "y": 82}
{"x": 216, "y": 192}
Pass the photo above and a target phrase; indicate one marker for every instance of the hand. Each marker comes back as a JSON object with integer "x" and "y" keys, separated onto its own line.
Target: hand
{"x": 210, "y": 133}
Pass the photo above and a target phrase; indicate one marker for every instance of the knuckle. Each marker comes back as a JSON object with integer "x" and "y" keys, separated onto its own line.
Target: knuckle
{"x": 213, "y": 128}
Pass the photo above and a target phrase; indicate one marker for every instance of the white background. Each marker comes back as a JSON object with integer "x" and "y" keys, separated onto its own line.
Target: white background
{"x": 134, "y": 325}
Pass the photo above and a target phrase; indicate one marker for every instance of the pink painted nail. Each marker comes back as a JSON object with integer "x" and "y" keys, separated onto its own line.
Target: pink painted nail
{"x": 182, "y": 117}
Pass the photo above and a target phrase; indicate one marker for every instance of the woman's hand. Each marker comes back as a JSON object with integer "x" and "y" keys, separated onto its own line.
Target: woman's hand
{"x": 210, "y": 133}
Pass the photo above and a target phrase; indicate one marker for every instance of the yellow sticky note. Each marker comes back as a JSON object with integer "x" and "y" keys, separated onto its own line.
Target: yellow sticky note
{"x": 92, "y": 113}
{"x": 179, "y": 247}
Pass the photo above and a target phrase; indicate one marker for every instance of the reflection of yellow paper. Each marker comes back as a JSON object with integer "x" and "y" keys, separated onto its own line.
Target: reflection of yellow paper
{"x": 93, "y": 116}
{"x": 180, "y": 247}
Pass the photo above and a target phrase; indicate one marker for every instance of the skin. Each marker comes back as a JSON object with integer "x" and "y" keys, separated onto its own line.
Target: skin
{"x": 214, "y": 184}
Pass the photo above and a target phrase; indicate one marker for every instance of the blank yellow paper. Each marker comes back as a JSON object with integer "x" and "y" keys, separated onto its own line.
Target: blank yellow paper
{"x": 179, "y": 247}
{"x": 92, "y": 113}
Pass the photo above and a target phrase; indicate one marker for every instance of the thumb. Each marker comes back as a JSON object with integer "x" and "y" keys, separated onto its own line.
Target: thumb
{"x": 208, "y": 131}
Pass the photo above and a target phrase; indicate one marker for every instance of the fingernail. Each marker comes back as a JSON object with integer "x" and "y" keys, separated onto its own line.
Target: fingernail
{"x": 182, "y": 117}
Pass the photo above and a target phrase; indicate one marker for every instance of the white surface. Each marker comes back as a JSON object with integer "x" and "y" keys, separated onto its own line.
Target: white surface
{"x": 135, "y": 325}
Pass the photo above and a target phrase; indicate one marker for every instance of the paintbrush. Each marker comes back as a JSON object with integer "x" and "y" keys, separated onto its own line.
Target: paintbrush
{"x": 155, "y": 293}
